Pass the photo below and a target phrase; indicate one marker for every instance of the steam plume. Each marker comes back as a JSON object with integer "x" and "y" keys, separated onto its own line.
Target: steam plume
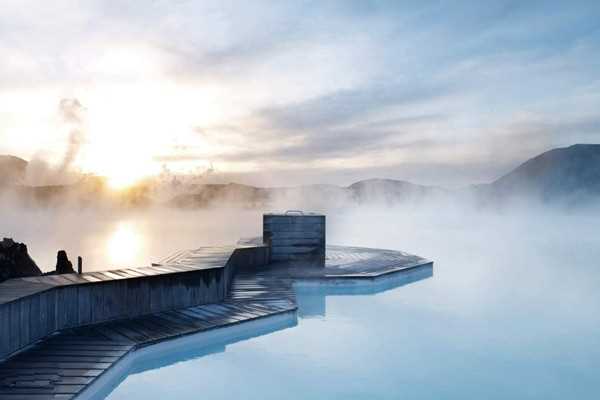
{"x": 72, "y": 112}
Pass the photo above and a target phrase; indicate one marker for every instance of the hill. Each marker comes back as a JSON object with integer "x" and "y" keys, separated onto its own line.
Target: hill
{"x": 570, "y": 174}
{"x": 372, "y": 191}
{"x": 12, "y": 170}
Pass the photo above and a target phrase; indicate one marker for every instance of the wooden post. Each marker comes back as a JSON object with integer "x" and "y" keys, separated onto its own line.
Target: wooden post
{"x": 79, "y": 264}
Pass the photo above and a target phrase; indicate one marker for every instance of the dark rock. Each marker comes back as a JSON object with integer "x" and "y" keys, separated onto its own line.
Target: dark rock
{"x": 63, "y": 265}
{"x": 15, "y": 261}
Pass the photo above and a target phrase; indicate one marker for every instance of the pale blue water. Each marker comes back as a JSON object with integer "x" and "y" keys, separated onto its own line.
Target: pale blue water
{"x": 512, "y": 311}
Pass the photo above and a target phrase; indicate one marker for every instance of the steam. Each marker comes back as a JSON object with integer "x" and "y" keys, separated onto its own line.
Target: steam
{"x": 72, "y": 112}
{"x": 39, "y": 170}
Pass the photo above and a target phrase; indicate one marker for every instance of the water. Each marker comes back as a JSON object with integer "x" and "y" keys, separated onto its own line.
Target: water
{"x": 108, "y": 239}
{"x": 512, "y": 311}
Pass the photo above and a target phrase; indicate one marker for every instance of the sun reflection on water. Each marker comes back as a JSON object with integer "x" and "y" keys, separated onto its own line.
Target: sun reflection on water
{"x": 124, "y": 245}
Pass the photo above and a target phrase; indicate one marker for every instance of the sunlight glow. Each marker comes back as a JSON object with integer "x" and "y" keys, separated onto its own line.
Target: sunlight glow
{"x": 128, "y": 125}
{"x": 124, "y": 244}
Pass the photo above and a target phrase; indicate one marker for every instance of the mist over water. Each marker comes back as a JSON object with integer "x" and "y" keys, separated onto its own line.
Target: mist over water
{"x": 511, "y": 311}
{"x": 110, "y": 238}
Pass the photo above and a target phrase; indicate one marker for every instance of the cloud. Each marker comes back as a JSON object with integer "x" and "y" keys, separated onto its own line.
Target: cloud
{"x": 352, "y": 85}
{"x": 345, "y": 106}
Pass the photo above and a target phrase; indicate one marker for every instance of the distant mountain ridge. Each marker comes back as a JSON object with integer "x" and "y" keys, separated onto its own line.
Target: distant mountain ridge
{"x": 12, "y": 170}
{"x": 569, "y": 175}
{"x": 370, "y": 191}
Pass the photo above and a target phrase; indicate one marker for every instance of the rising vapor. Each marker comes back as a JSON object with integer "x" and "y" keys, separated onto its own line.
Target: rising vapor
{"x": 72, "y": 113}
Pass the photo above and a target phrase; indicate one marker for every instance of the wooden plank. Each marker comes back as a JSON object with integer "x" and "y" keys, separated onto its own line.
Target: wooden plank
{"x": 156, "y": 294}
{"x": 42, "y": 318}
{"x": 297, "y": 235}
{"x": 277, "y": 241}
{"x": 4, "y": 330}
{"x": 84, "y": 310}
{"x": 15, "y": 326}
{"x": 57, "y": 365}
{"x": 148, "y": 324}
{"x": 201, "y": 312}
{"x": 111, "y": 333}
{"x": 71, "y": 345}
{"x": 112, "y": 275}
{"x": 72, "y": 306}
{"x": 35, "y": 322}
{"x": 82, "y": 372}
{"x": 61, "y": 312}
{"x": 78, "y": 351}
{"x": 292, "y": 219}
{"x": 273, "y": 230}
{"x": 122, "y": 274}
{"x": 134, "y": 331}
{"x": 73, "y": 278}
{"x": 51, "y": 311}
{"x": 193, "y": 320}
{"x": 90, "y": 278}
{"x": 60, "y": 358}
{"x": 133, "y": 273}
{"x": 55, "y": 390}
{"x": 38, "y": 397}
{"x": 299, "y": 249}
{"x": 178, "y": 325}
{"x": 25, "y": 317}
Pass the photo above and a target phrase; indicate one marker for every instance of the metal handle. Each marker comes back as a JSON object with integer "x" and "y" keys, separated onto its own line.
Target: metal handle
{"x": 299, "y": 212}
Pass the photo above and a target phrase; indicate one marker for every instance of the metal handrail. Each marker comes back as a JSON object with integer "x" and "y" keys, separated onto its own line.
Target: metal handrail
{"x": 299, "y": 212}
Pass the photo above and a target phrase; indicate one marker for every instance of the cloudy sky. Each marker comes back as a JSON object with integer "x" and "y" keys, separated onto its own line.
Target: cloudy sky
{"x": 292, "y": 92}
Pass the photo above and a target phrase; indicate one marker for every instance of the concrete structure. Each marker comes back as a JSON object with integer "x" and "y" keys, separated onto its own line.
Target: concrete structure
{"x": 295, "y": 236}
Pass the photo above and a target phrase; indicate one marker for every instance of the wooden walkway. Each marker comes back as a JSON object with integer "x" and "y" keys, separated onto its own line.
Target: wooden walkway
{"x": 63, "y": 365}
{"x": 36, "y": 307}
{"x": 204, "y": 258}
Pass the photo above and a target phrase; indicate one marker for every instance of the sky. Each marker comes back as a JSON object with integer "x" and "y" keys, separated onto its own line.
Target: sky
{"x": 297, "y": 92}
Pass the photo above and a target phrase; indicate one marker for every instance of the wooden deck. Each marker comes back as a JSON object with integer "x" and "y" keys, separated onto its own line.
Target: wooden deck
{"x": 66, "y": 363}
{"x": 33, "y": 308}
{"x": 207, "y": 258}
{"x": 63, "y": 365}
{"x": 343, "y": 263}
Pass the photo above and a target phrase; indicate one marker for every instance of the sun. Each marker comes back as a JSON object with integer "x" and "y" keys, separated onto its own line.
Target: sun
{"x": 130, "y": 125}
{"x": 121, "y": 178}
{"x": 122, "y": 170}
{"x": 121, "y": 182}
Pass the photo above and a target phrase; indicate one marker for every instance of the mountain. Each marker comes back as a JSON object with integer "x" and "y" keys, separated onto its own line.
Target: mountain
{"x": 390, "y": 191}
{"x": 12, "y": 170}
{"x": 372, "y": 191}
{"x": 219, "y": 194}
{"x": 567, "y": 175}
